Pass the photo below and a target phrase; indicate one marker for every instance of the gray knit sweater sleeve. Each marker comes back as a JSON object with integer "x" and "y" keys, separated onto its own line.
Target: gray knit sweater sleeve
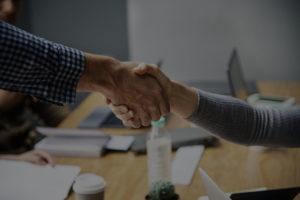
{"x": 236, "y": 121}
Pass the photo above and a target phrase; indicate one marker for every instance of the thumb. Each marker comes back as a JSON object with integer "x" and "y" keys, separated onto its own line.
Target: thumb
{"x": 149, "y": 69}
{"x": 152, "y": 70}
{"x": 107, "y": 101}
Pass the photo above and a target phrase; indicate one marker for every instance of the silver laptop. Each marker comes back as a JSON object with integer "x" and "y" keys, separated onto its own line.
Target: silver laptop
{"x": 240, "y": 90}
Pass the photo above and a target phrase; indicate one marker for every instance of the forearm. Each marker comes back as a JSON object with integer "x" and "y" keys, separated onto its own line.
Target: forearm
{"x": 34, "y": 66}
{"x": 183, "y": 99}
{"x": 49, "y": 71}
{"x": 236, "y": 121}
{"x": 8, "y": 157}
{"x": 101, "y": 66}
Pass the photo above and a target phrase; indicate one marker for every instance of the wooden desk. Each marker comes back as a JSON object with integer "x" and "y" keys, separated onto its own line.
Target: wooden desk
{"x": 233, "y": 167}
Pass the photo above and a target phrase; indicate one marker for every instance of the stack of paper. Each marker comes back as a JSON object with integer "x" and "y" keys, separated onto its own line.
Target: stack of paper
{"x": 120, "y": 143}
{"x": 25, "y": 181}
{"x": 72, "y": 142}
{"x": 185, "y": 164}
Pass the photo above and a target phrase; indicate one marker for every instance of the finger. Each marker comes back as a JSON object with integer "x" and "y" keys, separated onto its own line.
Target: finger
{"x": 131, "y": 123}
{"x": 118, "y": 110}
{"x": 154, "y": 71}
{"x": 146, "y": 69}
{"x": 164, "y": 105}
{"x": 135, "y": 122}
{"x": 127, "y": 115}
{"x": 107, "y": 101}
{"x": 155, "y": 112}
{"x": 140, "y": 69}
{"x": 159, "y": 104}
{"x": 128, "y": 123}
{"x": 33, "y": 159}
{"x": 164, "y": 108}
{"x": 41, "y": 161}
{"x": 145, "y": 118}
{"x": 46, "y": 157}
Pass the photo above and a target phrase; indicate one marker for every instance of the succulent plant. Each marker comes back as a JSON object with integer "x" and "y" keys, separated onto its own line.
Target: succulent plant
{"x": 162, "y": 191}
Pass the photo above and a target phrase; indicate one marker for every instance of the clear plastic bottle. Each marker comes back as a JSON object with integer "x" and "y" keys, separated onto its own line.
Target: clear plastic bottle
{"x": 159, "y": 153}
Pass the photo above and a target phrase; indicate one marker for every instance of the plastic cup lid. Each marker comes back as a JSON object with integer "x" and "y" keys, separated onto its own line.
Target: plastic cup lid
{"x": 89, "y": 184}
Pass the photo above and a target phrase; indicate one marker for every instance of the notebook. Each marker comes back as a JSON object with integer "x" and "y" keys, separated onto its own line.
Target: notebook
{"x": 72, "y": 142}
{"x": 26, "y": 181}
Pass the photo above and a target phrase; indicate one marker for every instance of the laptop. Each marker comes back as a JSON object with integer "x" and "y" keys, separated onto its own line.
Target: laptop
{"x": 240, "y": 89}
{"x": 101, "y": 117}
{"x": 214, "y": 192}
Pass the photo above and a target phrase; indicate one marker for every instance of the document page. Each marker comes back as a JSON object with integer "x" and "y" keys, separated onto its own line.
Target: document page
{"x": 25, "y": 181}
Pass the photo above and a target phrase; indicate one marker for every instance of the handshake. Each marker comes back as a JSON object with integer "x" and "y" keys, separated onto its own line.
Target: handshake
{"x": 153, "y": 106}
{"x": 137, "y": 93}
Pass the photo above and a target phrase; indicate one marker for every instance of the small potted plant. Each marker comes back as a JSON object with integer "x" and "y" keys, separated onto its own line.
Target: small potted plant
{"x": 162, "y": 191}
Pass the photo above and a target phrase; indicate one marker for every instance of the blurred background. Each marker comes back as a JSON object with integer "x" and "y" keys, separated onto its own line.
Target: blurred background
{"x": 193, "y": 37}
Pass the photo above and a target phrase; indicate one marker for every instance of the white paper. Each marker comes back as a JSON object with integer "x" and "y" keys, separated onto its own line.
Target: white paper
{"x": 121, "y": 143}
{"x": 73, "y": 146}
{"x": 185, "y": 163}
{"x": 72, "y": 142}
{"x": 59, "y": 132}
{"x": 212, "y": 189}
{"x": 25, "y": 181}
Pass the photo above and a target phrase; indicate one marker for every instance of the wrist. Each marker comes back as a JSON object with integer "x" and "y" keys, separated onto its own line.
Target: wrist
{"x": 98, "y": 75}
{"x": 173, "y": 93}
{"x": 9, "y": 157}
{"x": 183, "y": 99}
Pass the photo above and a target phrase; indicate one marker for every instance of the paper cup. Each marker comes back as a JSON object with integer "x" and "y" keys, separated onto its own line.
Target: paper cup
{"x": 89, "y": 187}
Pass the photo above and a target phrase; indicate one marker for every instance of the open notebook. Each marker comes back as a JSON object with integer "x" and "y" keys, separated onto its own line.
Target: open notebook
{"x": 214, "y": 192}
{"x": 25, "y": 181}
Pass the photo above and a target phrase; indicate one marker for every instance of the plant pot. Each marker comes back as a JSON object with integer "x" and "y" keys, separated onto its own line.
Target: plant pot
{"x": 175, "y": 197}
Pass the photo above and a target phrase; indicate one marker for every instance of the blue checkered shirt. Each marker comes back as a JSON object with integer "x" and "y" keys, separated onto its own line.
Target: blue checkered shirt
{"x": 34, "y": 66}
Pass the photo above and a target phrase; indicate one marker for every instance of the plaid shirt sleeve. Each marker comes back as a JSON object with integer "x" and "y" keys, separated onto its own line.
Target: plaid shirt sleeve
{"x": 34, "y": 66}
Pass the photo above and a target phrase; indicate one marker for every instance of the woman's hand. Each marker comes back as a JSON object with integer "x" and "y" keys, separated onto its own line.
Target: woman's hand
{"x": 35, "y": 156}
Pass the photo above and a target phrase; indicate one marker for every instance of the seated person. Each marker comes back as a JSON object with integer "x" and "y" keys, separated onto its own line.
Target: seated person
{"x": 16, "y": 135}
{"x": 17, "y": 124}
{"x": 224, "y": 116}
{"x": 16, "y": 131}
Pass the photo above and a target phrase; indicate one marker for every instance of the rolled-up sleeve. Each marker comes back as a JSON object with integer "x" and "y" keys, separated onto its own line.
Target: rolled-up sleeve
{"x": 34, "y": 66}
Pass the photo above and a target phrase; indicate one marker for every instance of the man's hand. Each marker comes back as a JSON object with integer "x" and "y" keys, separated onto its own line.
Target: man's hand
{"x": 117, "y": 81}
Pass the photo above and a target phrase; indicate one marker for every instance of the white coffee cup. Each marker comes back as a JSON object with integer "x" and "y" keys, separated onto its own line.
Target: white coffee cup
{"x": 89, "y": 187}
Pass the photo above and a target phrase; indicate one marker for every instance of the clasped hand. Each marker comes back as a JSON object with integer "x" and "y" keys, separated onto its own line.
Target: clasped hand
{"x": 125, "y": 113}
{"x": 145, "y": 97}
{"x": 118, "y": 82}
